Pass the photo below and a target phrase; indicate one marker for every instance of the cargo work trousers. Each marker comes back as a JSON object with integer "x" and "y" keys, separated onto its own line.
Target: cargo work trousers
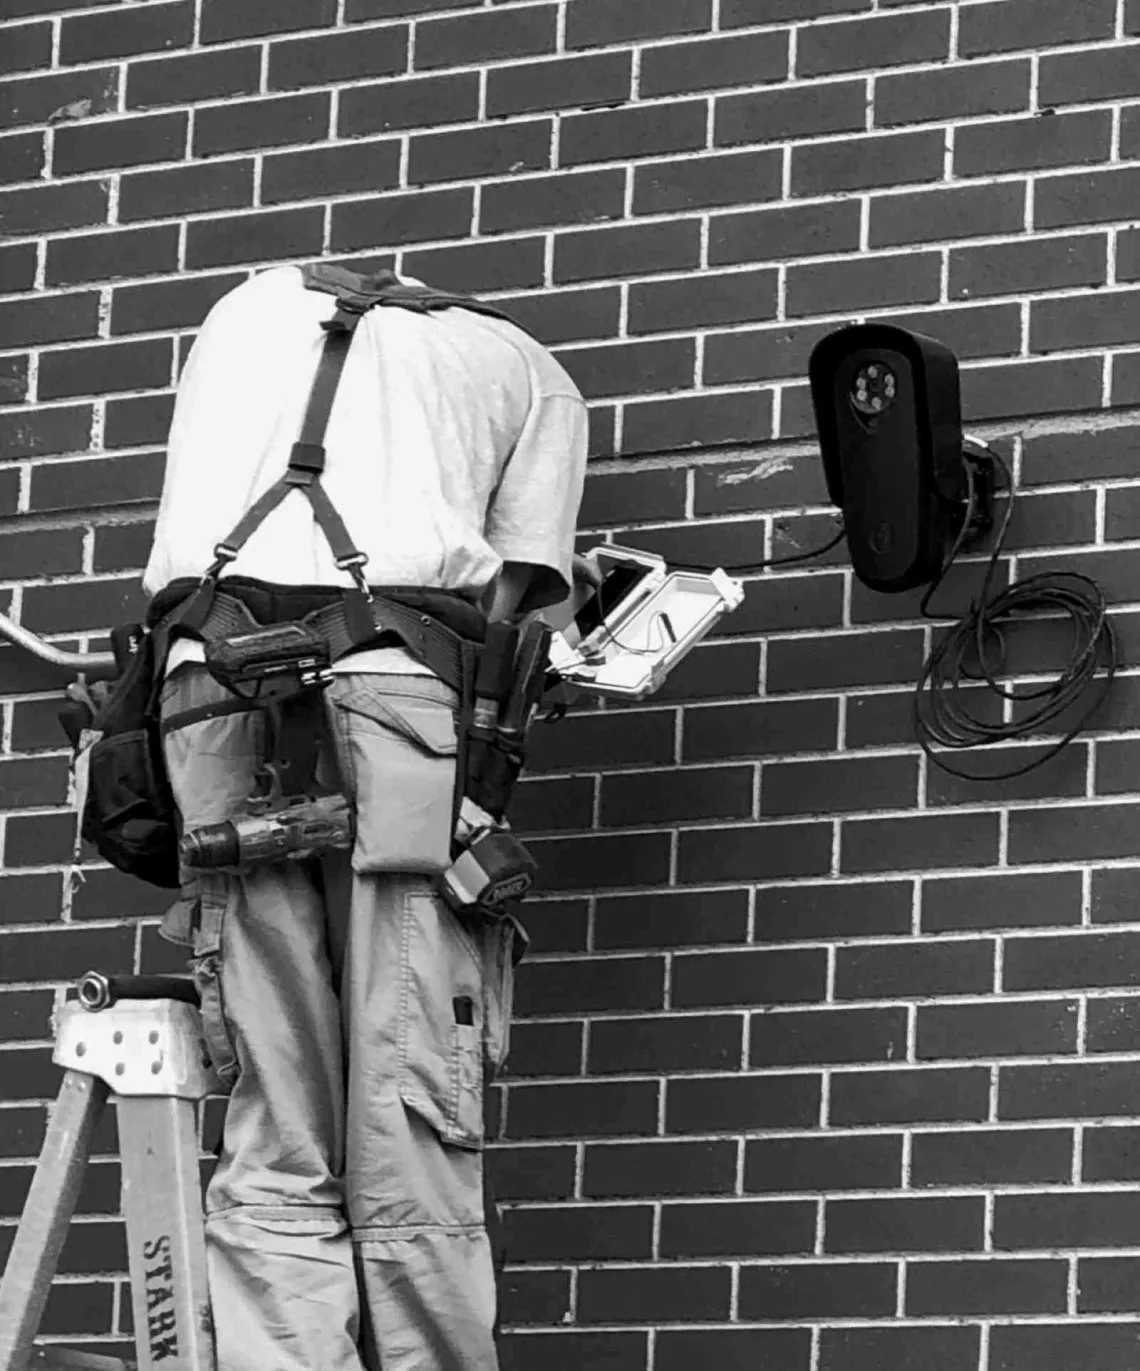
{"x": 353, "y": 1017}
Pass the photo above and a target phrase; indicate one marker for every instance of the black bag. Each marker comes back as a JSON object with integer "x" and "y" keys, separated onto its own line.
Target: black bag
{"x": 129, "y": 814}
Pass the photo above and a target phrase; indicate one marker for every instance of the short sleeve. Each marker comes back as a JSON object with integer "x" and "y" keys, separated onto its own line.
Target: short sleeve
{"x": 534, "y": 510}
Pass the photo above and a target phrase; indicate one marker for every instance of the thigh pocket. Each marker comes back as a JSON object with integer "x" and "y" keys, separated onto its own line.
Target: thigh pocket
{"x": 442, "y": 1021}
{"x": 497, "y": 939}
{"x": 213, "y": 899}
{"x": 398, "y": 755}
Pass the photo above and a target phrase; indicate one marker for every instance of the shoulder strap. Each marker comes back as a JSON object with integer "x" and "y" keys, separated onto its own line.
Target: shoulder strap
{"x": 357, "y": 293}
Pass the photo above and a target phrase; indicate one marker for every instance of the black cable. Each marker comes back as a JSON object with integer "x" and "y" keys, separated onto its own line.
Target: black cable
{"x": 974, "y": 649}
{"x": 759, "y": 566}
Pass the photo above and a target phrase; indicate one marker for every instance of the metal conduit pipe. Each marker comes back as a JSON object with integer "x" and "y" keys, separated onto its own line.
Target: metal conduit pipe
{"x": 96, "y": 665}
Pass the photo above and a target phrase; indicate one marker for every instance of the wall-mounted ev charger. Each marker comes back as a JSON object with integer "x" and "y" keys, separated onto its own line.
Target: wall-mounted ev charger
{"x": 888, "y": 414}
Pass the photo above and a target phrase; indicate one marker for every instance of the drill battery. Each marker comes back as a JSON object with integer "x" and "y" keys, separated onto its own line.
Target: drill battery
{"x": 301, "y": 828}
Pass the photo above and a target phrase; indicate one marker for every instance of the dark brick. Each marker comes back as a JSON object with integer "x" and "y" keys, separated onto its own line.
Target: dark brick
{"x": 586, "y": 741}
{"x": 832, "y": 1290}
{"x": 839, "y": 785}
{"x": 564, "y": 198}
{"x": 13, "y": 380}
{"x": 168, "y": 304}
{"x": 630, "y": 368}
{"x": 954, "y": 92}
{"x": 1082, "y": 832}
{"x": 734, "y": 1349}
{"x": 1064, "y": 775}
{"x": 396, "y": 219}
{"x": 904, "y": 1225}
{"x": 535, "y": 1297}
{"x": 734, "y": 1104}
{"x": 255, "y": 237}
{"x": 850, "y": 1162}
{"x": 713, "y": 63}
{"x": 1005, "y": 25}
{"x": 696, "y": 421}
{"x": 572, "y": 1109}
{"x": 549, "y": 806}
{"x": 726, "y": 298}
{"x": 605, "y": 861}
{"x": 594, "y": 23}
{"x": 699, "y": 182}
{"x": 1121, "y": 521}
{"x": 599, "y": 79}
{"x": 1072, "y": 78}
{"x": 21, "y": 157}
{"x": 1002, "y": 1029}
{"x": 179, "y": 190}
{"x": 42, "y": 209}
{"x": 1106, "y": 1285}
{"x": 905, "y": 1095}
{"x": 771, "y": 483}
{"x": 63, "y": 955}
{"x": 1031, "y": 388}
{"x": 1045, "y": 140}
{"x": 225, "y": 20}
{"x": 1113, "y": 1024}
{"x": 932, "y": 215}
{"x": 38, "y": 840}
{"x": 869, "y": 43}
{"x": 632, "y": 1170}
{"x": 30, "y": 899}
{"x": 104, "y": 256}
{"x": 1066, "y": 1220}
{"x": 532, "y": 1173}
{"x": 611, "y": 135}
{"x": 26, "y": 46}
{"x": 934, "y": 1348}
{"x": 797, "y": 112}
{"x": 855, "y": 285}
{"x": 350, "y": 56}
{"x": 196, "y": 76}
{"x": 95, "y": 482}
{"x": 670, "y": 920}
{"x": 40, "y": 553}
{"x": 137, "y": 421}
{"x": 327, "y": 171}
{"x": 987, "y": 1287}
{"x": 66, "y": 95}
{"x": 566, "y": 1351}
{"x": 1114, "y": 895}
{"x": 755, "y": 853}
{"x": 63, "y": 428}
{"x": 677, "y": 797}
{"x": 992, "y": 1157}
{"x": 626, "y": 251}
{"x": 123, "y": 33}
{"x": 628, "y": 497}
{"x": 752, "y": 977}
{"x": 110, "y": 144}
{"x": 255, "y": 124}
{"x": 470, "y": 39}
{"x": 1028, "y": 265}
{"x": 1006, "y": 901}
{"x": 90, "y": 605}
{"x": 822, "y": 1036}
{"x": 104, "y": 367}
{"x": 590, "y": 985}
{"x": 660, "y": 1045}
{"x": 1085, "y": 197}
{"x": 545, "y": 1049}
{"x": 515, "y": 265}
{"x": 1100, "y": 1347}
{"x": 1101, "y": 320}
{"x": 752, "y": 1228}
{"x": 880, "y": 658}
{"x": 863, "y": 163}
{"x": 935, "y": 840}
{"x": 49, "y": 319}
{"x": 582, "y": 1232}
{"x": 18, "y": 267}
{"x": 1111, "y": 1154}
{"x": 1077, "y": 1090}
{"x": 697, "y": 1294}
{"x": 1078, "y": 960}
{"x": 25, "y": 1013}
{"x": 408, "y": 103}
{"x": 795, "y": 912}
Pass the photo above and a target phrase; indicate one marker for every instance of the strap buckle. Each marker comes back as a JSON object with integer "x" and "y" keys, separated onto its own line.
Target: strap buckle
{"x": 354, "y": 563}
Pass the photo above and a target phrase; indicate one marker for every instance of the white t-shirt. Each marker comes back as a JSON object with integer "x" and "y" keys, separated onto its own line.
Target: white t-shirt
{"x": 455, "y": 443}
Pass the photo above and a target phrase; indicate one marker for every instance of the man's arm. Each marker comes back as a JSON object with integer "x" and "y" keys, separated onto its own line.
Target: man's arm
{"x": 506, "y": 592}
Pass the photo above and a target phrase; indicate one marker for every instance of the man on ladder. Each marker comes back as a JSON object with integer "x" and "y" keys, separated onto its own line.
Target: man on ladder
{"x": 351, "y": 1012}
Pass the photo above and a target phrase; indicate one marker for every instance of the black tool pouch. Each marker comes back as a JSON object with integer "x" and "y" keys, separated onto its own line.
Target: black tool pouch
{"x": 128, "y": 813}
{"x": 491, "y": 776}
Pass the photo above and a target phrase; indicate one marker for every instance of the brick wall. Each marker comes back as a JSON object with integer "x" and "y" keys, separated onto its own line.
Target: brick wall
{"x": 823, "y": 1059}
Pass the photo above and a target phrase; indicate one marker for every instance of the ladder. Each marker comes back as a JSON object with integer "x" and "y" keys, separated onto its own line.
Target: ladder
{"x": 138, "y": 1037}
